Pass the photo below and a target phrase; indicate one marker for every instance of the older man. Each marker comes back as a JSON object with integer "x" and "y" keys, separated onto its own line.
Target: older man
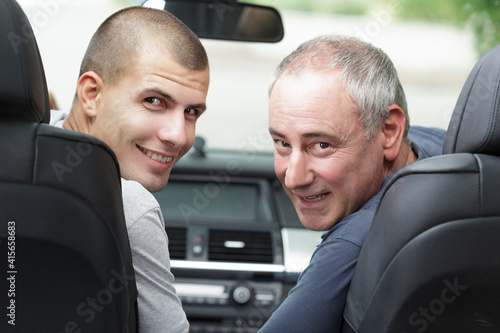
{"x": 339, "y": 121}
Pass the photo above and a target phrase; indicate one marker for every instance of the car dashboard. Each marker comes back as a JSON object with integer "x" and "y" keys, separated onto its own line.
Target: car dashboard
{"x": 236, "y": 244}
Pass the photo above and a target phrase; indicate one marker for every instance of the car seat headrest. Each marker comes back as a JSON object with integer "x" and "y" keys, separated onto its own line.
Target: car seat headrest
{"x": 23, "y": 89}
{"x": 475, "y": 124}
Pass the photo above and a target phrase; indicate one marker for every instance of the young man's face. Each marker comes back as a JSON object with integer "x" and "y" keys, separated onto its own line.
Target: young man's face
{"x": 148, "y": 118}
{"x": 321, "y": 155}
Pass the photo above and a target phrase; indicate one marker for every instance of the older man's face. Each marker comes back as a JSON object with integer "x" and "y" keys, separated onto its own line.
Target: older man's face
{"x": 321, "y": 155}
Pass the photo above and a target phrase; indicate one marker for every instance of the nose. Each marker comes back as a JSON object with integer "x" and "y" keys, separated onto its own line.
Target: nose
{"x": 173, "y": 129}
{"x": 298, "y": 173}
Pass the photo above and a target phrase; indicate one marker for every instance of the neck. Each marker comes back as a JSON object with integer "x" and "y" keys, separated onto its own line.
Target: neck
{"x": 406, "y": 156}
{"x": 411, "y": 156}
{"x": 76, "y": 120}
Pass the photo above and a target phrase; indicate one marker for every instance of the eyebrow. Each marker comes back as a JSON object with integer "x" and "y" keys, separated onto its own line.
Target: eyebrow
{"x": 321, "y": 134}
{"x": 318, "y": 134}
{"x": 275, "y": 132}
{"x": 202, "y": 106}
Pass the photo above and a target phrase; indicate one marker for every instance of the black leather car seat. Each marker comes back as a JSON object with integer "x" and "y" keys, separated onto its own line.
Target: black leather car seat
{"x": 431, "y": 261}
{"x": 65, "y": 261}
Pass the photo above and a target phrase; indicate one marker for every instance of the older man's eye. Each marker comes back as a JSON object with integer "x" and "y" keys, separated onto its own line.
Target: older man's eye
{"x": 281, "y": 143}
{"x": 322, "y": 145}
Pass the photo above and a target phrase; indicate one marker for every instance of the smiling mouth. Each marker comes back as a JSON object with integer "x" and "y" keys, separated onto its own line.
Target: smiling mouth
{"x": 155, "y": 156}
{"x": 314, "y": 198}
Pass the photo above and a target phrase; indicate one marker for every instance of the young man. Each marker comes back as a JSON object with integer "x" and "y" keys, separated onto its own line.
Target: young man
{"x": 338, "y": 117}
{"x": 143, "y": 85}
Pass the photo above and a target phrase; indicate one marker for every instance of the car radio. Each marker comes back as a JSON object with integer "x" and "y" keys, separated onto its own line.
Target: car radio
{"x": 228, "y": 305}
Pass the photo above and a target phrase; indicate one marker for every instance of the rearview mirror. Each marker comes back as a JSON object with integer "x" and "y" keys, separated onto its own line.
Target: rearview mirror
{"x": 229, "y": 20}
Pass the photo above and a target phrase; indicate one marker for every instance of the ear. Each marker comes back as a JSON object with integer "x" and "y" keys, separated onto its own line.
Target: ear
{"x": 393, "y": 129}
{"x": 89, "y": 87}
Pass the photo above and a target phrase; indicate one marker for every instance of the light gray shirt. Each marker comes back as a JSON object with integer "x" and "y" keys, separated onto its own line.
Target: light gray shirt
{"x": 160, "y": 309}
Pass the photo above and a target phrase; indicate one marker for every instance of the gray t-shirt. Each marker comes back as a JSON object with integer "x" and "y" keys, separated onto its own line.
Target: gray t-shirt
{"x": 160, "y": 309}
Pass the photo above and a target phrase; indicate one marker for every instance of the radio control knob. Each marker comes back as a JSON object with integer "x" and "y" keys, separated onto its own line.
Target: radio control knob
{"x": 242, "y": 294}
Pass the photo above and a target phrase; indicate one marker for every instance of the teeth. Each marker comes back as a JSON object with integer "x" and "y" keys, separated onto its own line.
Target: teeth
{"x": 156, "y": 157}
{"x": 315, "y": 198}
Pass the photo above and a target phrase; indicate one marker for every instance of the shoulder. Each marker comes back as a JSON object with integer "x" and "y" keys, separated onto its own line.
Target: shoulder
{"x": 135, "y": 191}
{"x": 57, "y": 117}
{"x": 354, "y": 228}
{"x": 429, "y": 141}
{"x": 137, "y": 202}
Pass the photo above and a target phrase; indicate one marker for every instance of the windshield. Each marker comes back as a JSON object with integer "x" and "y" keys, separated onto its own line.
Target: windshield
{"x": 433, "y": 45}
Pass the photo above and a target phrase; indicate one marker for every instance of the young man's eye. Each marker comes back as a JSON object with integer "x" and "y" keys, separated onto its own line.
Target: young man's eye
{"x": 191, "y": 111}
{"x": 154, "y": 101}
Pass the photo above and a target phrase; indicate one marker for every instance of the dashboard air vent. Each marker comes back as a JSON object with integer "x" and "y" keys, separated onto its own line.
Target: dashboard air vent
{"x": 176, "y": 242}
{"x": 240, "y": 246}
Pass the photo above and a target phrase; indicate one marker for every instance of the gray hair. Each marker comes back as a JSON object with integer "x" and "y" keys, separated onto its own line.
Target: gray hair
{"x": 367, "y": 74}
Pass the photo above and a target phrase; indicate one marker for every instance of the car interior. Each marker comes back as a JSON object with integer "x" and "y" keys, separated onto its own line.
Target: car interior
{"x": 431, "y": 261}
{"x": 235, "y": 247}
{"x": 66, "y": 263}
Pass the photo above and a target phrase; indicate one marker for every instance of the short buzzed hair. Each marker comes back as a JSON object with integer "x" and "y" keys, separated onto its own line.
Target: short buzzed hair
{"x": 119, "y": 40}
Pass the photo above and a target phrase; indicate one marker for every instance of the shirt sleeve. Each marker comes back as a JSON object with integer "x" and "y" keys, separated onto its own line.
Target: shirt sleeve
{"x": 316, "y": 303}
{"x": 160, "y": 309}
